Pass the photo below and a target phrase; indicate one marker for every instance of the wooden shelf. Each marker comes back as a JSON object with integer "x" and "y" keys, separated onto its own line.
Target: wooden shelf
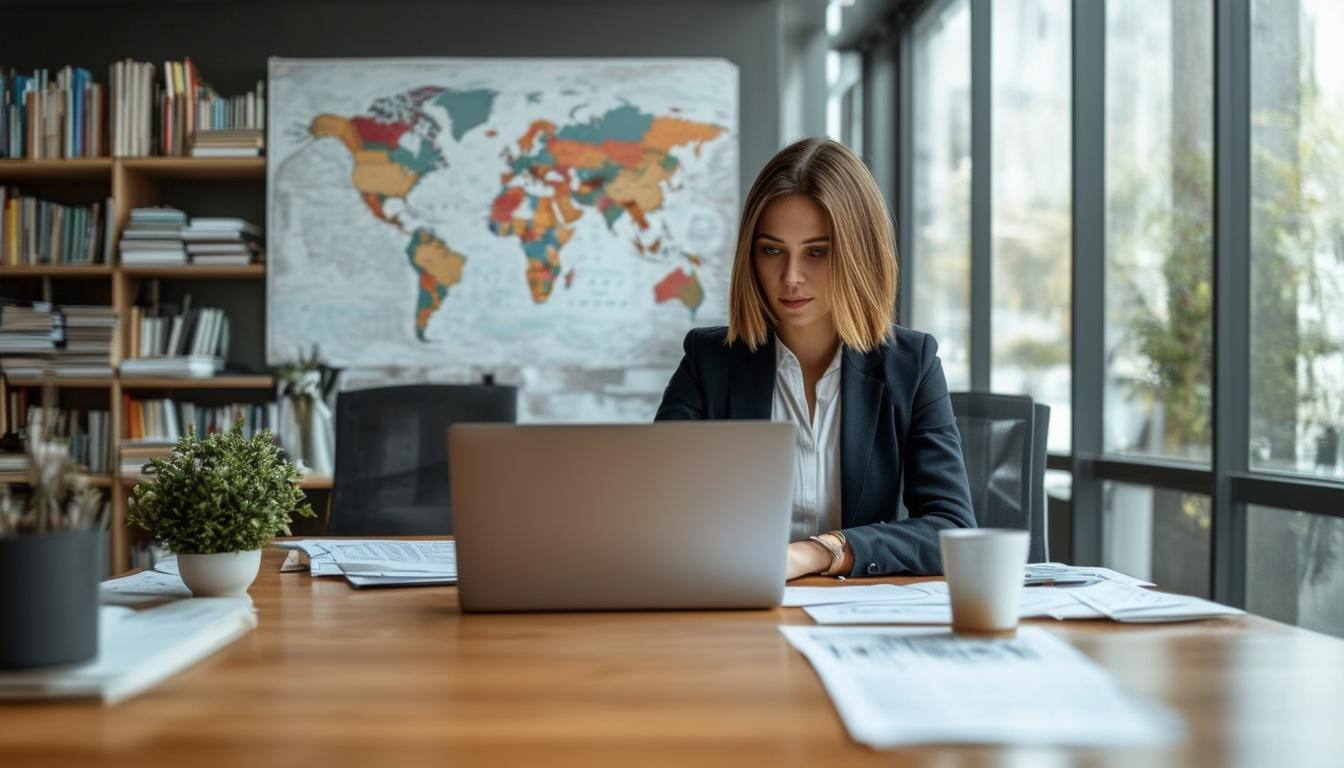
{"x": 241, "y": 381}
{"x": 69, "y": 382}
{"x": 203, "y": 168}
{"x": 246, "y": 381}
{"x": 21, "y": 478}
{"x": 50, "y": 270}
{"x": 197, "y": 272}
{"x": 316, "y": 482}
{"x": 75, "y": 169}
{"x": 308, "y": 482}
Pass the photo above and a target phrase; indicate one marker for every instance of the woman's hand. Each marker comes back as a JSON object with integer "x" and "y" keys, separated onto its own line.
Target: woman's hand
{"x": 807, "y": 557}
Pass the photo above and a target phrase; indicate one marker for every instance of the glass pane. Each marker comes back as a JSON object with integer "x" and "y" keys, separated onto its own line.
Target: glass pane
{"x": 1297, "y": 236}
{"x": 1159, "y": 198}
{"x": 941, "y": 239}
{"x": 1159, "y": 535}
{"x": 1032, "y": 205}
{"x": 1295, "y": 568}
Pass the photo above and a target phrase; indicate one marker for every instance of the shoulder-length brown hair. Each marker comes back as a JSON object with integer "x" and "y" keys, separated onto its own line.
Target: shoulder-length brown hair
{"x": 863, "y": 254}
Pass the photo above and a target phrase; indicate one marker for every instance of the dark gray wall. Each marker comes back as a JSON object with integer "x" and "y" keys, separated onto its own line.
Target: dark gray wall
{"x": 230, "y": 41}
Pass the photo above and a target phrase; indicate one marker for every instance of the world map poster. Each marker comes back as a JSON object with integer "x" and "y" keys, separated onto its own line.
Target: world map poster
{"x": 499, "y": 212}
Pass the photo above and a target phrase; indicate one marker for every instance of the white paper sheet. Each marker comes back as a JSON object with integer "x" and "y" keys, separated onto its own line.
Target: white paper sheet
{"x": 795, "y": 597}
{"x": 378, "y": 562}
{"x": 1122, "y": 602}
{"x": 881, "y": 613}
{"x": 931, "y": 605}
{"x": 168, "y": 565}
{"x": 1061, "y": 573}
{"x": 142, "y": 588}
{"x": 372, "y": 580}
{"x": 900, "y": 686}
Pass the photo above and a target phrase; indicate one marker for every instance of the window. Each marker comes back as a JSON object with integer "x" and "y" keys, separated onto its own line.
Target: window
{"x": 1159, "y": 535}
{"x": 1295, "y": 568}
{"x": 1159, "y": 200}
{"x": 1297, "y": 236}
{"x": 941, "y": 237}
{"x": 844, "y": 99}
{"x": 1032, "y": 206}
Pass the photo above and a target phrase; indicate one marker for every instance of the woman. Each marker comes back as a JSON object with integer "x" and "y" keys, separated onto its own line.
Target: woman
{"x": 810, "y": 339}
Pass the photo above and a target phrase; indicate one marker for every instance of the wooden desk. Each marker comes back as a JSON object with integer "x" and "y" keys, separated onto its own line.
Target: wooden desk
{"x": 333, "y": 677}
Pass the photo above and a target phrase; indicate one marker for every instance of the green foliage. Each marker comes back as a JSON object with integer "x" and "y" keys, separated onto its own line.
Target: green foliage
{"x": 226, "y": 493}
{"x": 1175, "y": 338}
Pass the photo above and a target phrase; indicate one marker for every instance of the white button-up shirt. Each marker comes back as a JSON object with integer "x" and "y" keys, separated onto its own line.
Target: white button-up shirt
{"x": 816, "y": 479}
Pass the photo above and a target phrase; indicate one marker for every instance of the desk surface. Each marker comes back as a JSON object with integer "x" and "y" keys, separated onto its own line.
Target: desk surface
{"x": 333, "y": 676}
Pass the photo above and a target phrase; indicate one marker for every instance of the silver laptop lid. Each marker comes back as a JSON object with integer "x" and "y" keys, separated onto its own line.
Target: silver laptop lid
{"x": 666, "y": 515}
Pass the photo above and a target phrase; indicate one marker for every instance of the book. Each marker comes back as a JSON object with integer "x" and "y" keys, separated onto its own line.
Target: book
{"x": 35, "y": 231}
{"x": 178, "y": 366}
{"x": 46, "y": 117}
{"x": 139, "y": 649}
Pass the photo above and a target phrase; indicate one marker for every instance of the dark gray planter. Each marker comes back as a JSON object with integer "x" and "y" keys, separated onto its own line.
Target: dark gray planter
{"x": 49, "y": 598}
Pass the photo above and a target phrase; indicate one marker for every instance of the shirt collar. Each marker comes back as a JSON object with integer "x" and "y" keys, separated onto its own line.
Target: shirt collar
{"x": 784, "y": 356}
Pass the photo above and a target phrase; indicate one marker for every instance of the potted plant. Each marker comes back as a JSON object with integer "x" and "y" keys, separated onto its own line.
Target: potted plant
{"x": 52, "y": 550}
{"x": 217, "y": 502}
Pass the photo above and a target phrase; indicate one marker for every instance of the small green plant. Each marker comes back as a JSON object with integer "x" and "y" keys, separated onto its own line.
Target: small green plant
{"x": 223, "y": 493}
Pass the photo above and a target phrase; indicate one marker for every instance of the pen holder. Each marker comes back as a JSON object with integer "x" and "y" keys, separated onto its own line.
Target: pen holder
{"x": 49, "y": 597}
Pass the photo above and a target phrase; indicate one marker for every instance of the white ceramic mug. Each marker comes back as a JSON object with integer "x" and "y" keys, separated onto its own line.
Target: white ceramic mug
{"x": 984, "y": 568}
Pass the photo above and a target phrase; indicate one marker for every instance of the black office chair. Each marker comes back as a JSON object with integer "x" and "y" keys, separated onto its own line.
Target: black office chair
{"x": 1003, "y": 442}
{"x": 392, "y": 455}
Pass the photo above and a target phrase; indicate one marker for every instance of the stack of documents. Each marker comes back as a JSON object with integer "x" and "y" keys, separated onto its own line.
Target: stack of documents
{"x": 1122, "y": 602}
{"x": 376, "y": 562}
{"x": 1059, "y": 573}
{"x": 1100, "y": 593}
{"x": 900, "y": 686}
{"x": 137, "y": 650}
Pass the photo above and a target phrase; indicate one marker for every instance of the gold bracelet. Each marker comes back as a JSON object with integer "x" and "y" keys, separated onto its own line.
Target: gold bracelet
{"x": 837, "y": 552}
{"x": 840, "y": 559}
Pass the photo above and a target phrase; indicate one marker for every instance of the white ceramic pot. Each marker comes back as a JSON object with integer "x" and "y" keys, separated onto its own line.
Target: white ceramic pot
{"x": 227, "y": 574}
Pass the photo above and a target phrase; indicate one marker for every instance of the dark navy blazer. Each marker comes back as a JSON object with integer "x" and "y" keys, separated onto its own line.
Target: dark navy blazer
{"x": 896, "y": 424}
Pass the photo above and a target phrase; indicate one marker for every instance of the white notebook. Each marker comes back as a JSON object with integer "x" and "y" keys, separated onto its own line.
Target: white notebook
{"x": 138, "y": 650}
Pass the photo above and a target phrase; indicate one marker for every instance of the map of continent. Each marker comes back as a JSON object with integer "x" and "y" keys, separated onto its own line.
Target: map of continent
{"x": 615, "y": 165}
{"x": 473, "y": 211}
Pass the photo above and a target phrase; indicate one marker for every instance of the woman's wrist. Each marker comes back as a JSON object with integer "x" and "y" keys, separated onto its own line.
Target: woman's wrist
{"x": 839, "y": 557}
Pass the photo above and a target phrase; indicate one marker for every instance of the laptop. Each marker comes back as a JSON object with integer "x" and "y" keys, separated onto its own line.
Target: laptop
{"x": 672, "y": 515}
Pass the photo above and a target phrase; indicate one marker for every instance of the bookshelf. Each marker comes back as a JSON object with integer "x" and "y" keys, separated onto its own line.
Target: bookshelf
{"x": 95, "y": 271}
{"x": 131, "y": 182}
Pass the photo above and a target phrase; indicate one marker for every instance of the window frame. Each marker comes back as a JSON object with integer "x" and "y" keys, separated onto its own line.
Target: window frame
{"x": 1228, "y": 479}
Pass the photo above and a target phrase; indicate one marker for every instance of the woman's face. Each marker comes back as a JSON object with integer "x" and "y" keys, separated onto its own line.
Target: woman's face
{"x": 791, "y": 250}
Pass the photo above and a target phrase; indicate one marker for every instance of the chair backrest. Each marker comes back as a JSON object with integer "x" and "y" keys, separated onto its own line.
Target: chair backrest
{"x": 1005, "y": 462}
{"x": 392, "y": 455}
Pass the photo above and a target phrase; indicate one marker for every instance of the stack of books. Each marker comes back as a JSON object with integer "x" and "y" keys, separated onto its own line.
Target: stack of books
{"x": 191, "y": 343}
{"x": 13, "y": 416}
{"x": 194, "y": 119}
{"x": 161, "y": 420}
{"x": 43, "y": 117}
{"x": 29, "y": 333}
{"x": 88, "y": 434}
{"x": 222, "y": 241}
{"x": 154, "y": 237}
{"x": 87, "y": 351}
{"x": 34, "y": 231}
{"x": 228, "y": 142}
{"x": 136, "y": 453}
{"x": 133, "y": 93}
